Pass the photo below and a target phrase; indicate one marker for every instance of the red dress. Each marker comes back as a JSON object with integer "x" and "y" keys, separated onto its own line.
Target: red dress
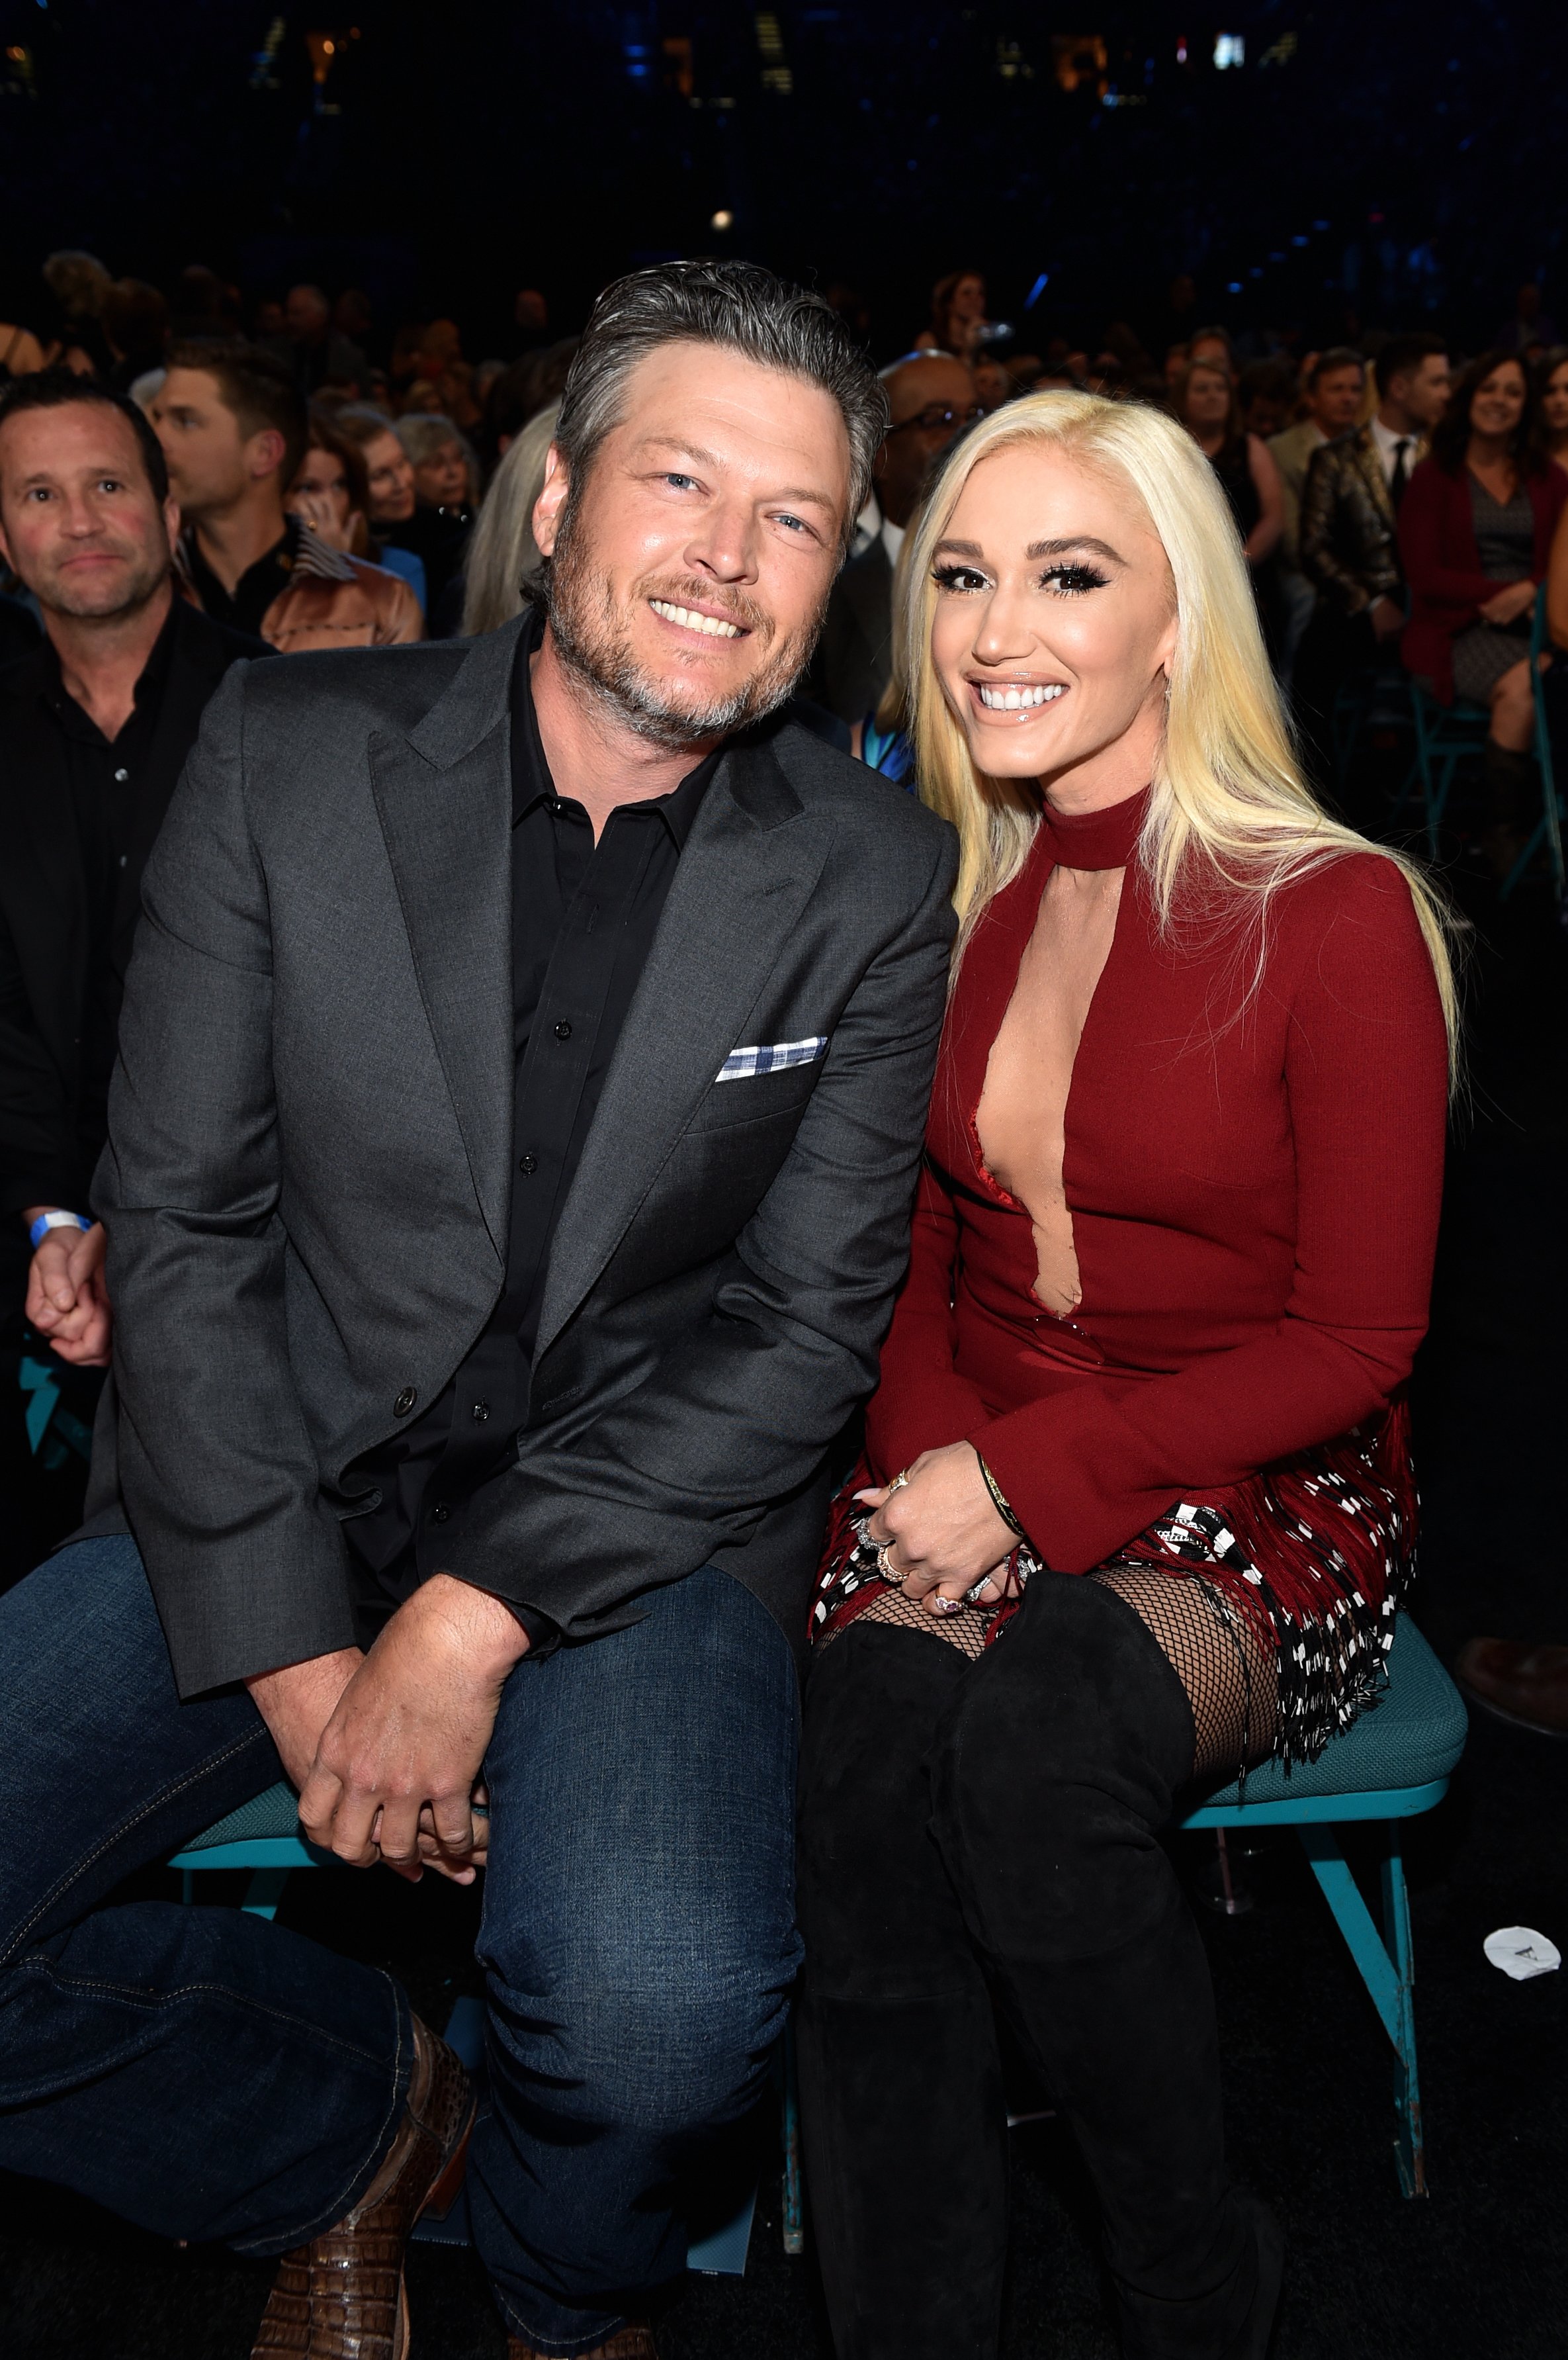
{"x": 1254, "y": 1178}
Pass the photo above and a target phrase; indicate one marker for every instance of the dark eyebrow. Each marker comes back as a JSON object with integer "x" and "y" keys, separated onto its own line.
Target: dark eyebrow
{"x": 708, "y": 459}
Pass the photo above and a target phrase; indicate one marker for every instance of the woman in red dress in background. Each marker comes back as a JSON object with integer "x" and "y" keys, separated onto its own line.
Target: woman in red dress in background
{"x": 1138, "y": 1502}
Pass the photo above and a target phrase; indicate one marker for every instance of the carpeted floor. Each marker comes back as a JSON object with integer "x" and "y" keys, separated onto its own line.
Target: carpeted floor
{"x": 1475, "y": 2270}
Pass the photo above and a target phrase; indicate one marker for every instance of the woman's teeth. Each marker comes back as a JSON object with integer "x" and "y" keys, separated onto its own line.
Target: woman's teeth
{"x": 1013, "y": 700}
{"x": 712, "y": 624}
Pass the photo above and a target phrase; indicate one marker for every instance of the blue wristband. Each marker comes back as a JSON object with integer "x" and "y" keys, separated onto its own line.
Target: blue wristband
{"x": 47, "y": 1221}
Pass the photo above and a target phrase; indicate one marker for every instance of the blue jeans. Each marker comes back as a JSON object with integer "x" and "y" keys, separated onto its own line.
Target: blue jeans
{"x": 209, "y": 2075}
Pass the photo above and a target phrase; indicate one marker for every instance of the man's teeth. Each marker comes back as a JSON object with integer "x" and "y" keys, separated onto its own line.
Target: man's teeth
{"x": 715, "y": 628}
{"x": 1013, "y": 700}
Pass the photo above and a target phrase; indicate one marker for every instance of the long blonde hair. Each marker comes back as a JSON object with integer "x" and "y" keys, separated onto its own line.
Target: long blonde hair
{"x": 1229, "y": 807}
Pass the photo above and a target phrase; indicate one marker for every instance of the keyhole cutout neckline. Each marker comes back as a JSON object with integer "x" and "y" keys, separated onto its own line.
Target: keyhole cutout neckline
{"x": 1021, "y": 1123}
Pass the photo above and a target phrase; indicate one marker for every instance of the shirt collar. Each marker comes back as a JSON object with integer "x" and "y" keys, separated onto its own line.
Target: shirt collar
{"x": 149, "y": 680}
{"x": 1385, "y": 439}
{"x": 531, "y": 780}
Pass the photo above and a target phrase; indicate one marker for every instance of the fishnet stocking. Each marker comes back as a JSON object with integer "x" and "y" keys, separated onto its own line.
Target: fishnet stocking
{"x": 1231, "y": 1680}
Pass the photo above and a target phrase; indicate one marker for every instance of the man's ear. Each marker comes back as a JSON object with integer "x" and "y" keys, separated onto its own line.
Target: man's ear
{"x": 171, "y": 522}
{"x": 550, "y": 501}
{"x": 264, "y": 454}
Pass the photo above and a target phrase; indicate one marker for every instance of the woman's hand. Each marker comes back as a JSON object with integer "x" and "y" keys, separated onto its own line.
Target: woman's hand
{"x": 316, "y": 509}
{"x": 1514, "y": 599}
{"x": 941, "y": 1529}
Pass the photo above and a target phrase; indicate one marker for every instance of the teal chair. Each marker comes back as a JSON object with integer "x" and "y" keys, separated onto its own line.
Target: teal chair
{"x": 1393, "y": 1766}
{"x": 1548, "y": 827}
{"x": 1446, "y": 735}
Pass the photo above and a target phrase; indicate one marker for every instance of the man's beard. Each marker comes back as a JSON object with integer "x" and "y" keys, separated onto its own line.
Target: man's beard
{"x": 137, "y": 587}
{"x": 592, "y": 638}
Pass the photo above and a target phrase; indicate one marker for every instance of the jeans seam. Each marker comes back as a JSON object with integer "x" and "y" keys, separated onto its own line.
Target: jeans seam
{"x": 552, "y": 2345}
{"x": 135, "y": 1995}
{"x": 80, "y": 1868}
{"x": 364, "y": 2171}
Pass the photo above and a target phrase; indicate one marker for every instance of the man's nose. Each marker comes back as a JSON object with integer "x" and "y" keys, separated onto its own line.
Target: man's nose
{"x": 724, "y": 545}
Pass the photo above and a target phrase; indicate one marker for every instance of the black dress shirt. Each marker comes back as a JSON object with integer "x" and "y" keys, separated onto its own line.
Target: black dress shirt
{"x": 106, "y": 775}
{"x": 255, "y": 590}
{"x": 583, "y": 920}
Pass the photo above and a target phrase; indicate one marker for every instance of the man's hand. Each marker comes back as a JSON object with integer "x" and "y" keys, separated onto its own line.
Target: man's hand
{"x": 1386, "y": 618}
{"x": 408, "y": 1735}
{"x": 66, "y": 1296}
{"x": 297, "y": 1704}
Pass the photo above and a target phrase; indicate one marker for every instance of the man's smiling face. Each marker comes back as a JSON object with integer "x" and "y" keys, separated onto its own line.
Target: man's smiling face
{"x": 690, "y": 572}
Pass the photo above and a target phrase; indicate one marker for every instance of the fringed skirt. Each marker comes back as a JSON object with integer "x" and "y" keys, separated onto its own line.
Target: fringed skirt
{"x": 1311, "y": 1556}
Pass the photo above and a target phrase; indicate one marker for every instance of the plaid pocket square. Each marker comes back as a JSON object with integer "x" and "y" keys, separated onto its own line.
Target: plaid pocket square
{"x": 743, "y": 1064}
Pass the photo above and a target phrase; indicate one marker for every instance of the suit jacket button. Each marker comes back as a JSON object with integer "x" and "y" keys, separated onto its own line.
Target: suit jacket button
{"x": 405, "y": 1402}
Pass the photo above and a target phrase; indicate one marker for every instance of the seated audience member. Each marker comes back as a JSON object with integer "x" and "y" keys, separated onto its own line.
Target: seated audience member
{"x": 443, "y": 463}
{"x": 501, "y": 551}
{"x": 1335, "y": 386}
{"x": 882, "y": 739}
{"x": 135, "y": 328}
{"x": 1553, "y": 378}
{"x": 437, "y": 498}
{"x": 233, "y": 431}
{"x": 1530, "y": 325}
{"x": 1214, "y": 344}
{"x": 95, "y": 728}
{"x": 589, "y": 1441}
{"x": 313, "y": 351}
{"x": 20, "y": 352}
{"x": 1266, "y": 392}
{"x": 1348, "y": 541}
{"x": 1475, "y": 529}
{"x": 930, "y": 400}
{"x": 1206, "y": 405}
{"x": 1176, "y": 359}
{"x": 330, "y": 493}
{"x": 530, "y": 318}
{"x": 1141, "y": 1411}
{"x": 77, "y": 283}
{"x": 958, "y": 316}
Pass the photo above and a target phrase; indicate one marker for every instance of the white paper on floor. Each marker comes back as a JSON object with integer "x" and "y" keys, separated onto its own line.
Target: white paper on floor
{"x": 1521, "y": 1952}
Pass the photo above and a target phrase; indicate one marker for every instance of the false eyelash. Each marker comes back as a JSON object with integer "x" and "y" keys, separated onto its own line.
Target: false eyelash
{"x": 946, "y": 577}
{"x": 1074, "y": 580}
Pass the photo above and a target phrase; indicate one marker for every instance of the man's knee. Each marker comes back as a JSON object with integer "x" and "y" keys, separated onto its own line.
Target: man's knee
{"x": 627, "y": 2036}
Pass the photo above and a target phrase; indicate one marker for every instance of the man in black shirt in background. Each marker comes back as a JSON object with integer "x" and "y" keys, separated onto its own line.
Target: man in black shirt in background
{"x": 95, "y": 728}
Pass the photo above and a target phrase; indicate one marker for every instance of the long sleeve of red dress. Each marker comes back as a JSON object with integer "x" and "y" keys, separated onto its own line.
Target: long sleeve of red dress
{"x": 1254, "y": 1178}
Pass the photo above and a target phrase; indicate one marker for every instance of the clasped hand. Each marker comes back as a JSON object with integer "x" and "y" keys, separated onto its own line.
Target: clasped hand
{"x": 941, "y": 1530}
{"x": 385, "y": 1749}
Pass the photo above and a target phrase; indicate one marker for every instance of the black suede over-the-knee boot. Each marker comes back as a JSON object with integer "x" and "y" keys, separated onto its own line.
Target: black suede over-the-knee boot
{"x": 901, "y": 2104}
{"x": 1059, "y": 1760}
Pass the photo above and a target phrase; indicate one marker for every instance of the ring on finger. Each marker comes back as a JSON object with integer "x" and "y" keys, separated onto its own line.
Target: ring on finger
{"x": 885, "y": 1567}
{"x": 899, "y": 1480}
{"x": 973, "y": 1597}
{"x": 941, "y": 1605}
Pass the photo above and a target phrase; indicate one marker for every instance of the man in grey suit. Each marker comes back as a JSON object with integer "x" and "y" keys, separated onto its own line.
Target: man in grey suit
{"x": 522, "y": 1079}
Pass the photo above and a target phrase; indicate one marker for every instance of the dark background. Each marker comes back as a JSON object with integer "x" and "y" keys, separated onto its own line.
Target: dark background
{"x": 1395, "y": 161}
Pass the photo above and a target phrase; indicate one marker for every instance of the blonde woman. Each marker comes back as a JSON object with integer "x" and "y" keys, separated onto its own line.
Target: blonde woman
{"x": 1138, "y": 1503}
{"x": 503, "y": 550}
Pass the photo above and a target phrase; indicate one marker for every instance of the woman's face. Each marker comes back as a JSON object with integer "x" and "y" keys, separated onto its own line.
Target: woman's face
{"x": 1497, "y": 403}
{"x": 1208, "y": 400}
{"x": 391, "y": 480}
{"x": 324, "y": 475}
{"x": 1056, "y": 625}
{"x": 1554, "y": 400}
{"x": 442, "y": 480}
{"x": 969, "y": 299}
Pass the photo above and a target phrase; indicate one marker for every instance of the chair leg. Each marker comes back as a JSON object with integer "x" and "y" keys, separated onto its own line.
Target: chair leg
{"x": 1388, "y": 1978}
{"x": 1409, "y": 2147}
{"x": 794, "y": 2230}
{"x": 264, "y": 1892}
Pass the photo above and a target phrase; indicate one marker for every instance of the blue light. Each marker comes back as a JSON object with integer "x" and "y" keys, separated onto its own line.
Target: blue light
{"x": 1235, "y": 287}
{"x": 1037, "y": 291}
{"x": 1301, "y": 241}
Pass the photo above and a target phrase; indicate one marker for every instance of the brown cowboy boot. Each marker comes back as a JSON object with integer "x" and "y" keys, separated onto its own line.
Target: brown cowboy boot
{"x": 632, "y": 2341}
{"x": 341, "y": 2296}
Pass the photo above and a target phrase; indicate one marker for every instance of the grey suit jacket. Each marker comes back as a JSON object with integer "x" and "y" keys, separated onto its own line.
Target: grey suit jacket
{"x": 307, "y": 1182}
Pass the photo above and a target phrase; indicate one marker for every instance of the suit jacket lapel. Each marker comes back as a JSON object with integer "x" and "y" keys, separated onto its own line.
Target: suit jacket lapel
{"x": 1371, "y": 466}
{"x": 444, "y": 795}
{"x": 749, "y": 867}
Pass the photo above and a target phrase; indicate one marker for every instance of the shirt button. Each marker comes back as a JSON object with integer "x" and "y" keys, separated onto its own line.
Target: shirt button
{"x": 563, "y": 1031}
{"x": 121, "y": 776}
{"x": 440, "y": 1513}
{"x": 405, "y": 1402}
{"x": 480, "y": 1412}
{"x": 527, "y": 1165}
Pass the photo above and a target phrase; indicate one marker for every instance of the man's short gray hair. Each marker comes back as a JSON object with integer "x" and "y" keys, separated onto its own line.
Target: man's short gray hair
{"x": 741, "y": 308}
